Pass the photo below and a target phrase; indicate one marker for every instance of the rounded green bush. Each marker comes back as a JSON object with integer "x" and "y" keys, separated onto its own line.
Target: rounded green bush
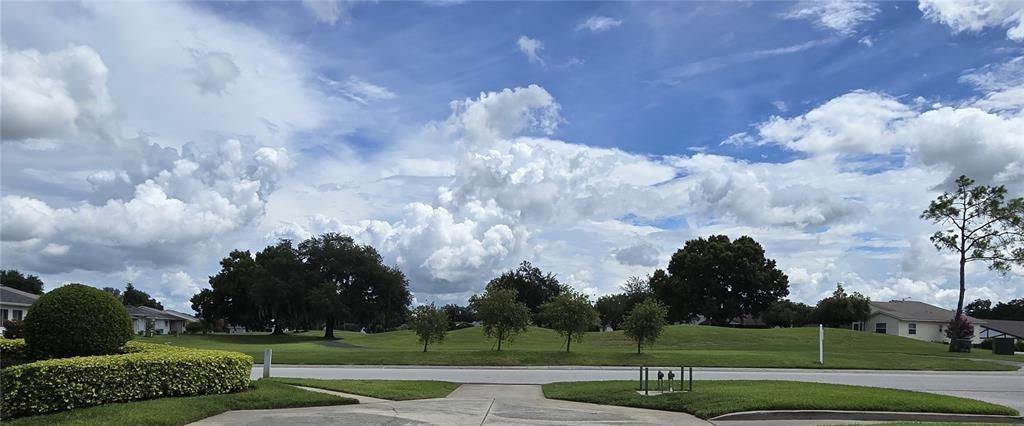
{"x": 76, "y": 320}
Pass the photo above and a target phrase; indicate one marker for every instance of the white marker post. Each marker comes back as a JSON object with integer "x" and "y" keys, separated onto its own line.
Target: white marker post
{"x": 266, "y": 362}
{"x": 821, "y": 344}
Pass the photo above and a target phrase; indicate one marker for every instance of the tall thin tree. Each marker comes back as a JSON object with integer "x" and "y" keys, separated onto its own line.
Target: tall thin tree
{"x": 981, "y": 225}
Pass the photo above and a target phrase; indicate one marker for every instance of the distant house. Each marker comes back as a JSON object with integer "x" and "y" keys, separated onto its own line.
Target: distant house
{"x": 1003, "y": 328}
{"x": 14, "y": 303}
{"x": 164, "y": 322}
{"x": 916, "y": 320}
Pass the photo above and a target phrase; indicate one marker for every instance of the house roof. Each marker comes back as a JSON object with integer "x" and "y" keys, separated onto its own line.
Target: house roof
{"x": 181, "y": 315}
{"x": 1013, "y": 328}
{"x": 910, "y": 310}
{"x": 12, "y": 296}
{"x": 147, "y": 312}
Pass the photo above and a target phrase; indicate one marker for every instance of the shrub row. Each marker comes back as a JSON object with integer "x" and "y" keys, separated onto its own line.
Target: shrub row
{"x": 13, "y": 352}
{"x": 145, "y": 371}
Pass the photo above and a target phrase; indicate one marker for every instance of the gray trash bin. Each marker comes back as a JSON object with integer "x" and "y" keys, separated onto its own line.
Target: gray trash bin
{"x": 1003, "y": 346}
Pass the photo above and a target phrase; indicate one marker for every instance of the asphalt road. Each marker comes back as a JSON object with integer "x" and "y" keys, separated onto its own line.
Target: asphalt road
{"x": 1006, "y": 388}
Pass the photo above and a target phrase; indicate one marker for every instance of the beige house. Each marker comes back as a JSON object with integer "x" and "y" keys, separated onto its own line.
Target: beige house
{"x": 916, "y": 320}
{"x": 164, "y": 322}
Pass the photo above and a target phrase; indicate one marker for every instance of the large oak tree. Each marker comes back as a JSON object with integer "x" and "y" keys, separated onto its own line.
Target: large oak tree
{"x": 723, "y": 280}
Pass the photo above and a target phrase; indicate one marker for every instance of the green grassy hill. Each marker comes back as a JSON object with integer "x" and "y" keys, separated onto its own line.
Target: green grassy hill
{"x": 679, "y": 345}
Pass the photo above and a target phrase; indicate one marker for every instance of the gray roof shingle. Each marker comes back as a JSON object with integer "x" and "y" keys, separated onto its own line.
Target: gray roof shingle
{"x": 11, "y": 296}
{"x": 910, "y": 310}
{"x": 1013, "y": 328}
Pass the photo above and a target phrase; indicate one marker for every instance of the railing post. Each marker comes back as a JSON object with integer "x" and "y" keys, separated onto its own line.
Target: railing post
{"x": 266, "y": 362}
{"x": 691, "y": 379}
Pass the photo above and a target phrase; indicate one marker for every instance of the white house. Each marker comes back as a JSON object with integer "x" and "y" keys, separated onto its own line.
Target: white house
{"x": 14, "y": 304}
{"x": 164, "y": 322}
{"x": 916, "y": 320}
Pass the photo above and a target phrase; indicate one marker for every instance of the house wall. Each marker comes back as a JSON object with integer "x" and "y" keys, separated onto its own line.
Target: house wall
{"x": 892, "y": 324}
{"x": 13, "y": 312}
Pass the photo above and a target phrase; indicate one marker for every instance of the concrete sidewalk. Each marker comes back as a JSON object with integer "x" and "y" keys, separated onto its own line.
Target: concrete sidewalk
{"x": 467, "y": 405}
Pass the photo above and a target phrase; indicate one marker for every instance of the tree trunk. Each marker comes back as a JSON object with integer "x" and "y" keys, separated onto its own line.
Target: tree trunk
{"x": 500, "y": 338}
{"x": 963, "y": 288}
{"x": 568, "y": 341}
{"x": 329, "y": 328}
{"x": 638, "y": 346}
{"x": 424, "y": 346}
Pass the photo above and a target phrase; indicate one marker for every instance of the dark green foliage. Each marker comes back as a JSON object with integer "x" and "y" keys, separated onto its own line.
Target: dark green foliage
{"x": 502, "y": 314}
{"x": 570, "y": 314}
{"x": 350, "y": 282}
{"x": 645, "y": 322}
{"x": 533, "y": 287}
{"x": 14, "y": 329}
{"x": 135, "y": 297}
{"x": 786, "y": 313}
{"x": 841, "y": 308}
{"x": 722, "y": 280}
{"x": 195, "y": 327}
{"x": 612, "y": 309}
{"x": 76, "y": 320}
{"x": 458, "y": 315}
{"x": 979, "y": 225}
{"x": 982, "y": 308}
{"x": 27, "y": 283}
{"x": 151, "y": 371}
{"x": 430, "y": 324}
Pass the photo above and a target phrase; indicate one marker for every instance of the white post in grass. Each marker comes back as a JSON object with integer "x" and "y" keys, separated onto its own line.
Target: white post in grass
{"x": 821, "y": 344}
{"x": 266, "y": 362}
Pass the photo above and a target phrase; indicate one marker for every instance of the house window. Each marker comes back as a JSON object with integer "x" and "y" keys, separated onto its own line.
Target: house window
{"x": 3, "y": 315}
{"x": 912, "y": 329}
{"x": 880, "y": 327}
{"x": 17, "y": 314}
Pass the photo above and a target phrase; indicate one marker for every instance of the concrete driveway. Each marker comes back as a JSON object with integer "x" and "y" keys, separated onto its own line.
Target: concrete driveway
{"x": 468, "y": 405}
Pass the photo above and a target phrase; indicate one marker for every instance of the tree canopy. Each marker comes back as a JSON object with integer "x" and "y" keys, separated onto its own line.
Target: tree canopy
{"x": 645, "y": 322}
{"x": 325, "y": 280}
{"x": 502, "y": 314}
{"x": 132, "y": 296}
{"x": 25, "y": 282}
{"x": 570, "y": 314}
{"x": 533, "y": 287}
{"x": 842, "y": 308}
{"x": 1012, "y": 310}
{"x": 979, "y": 225}
{"x": 430, "y": 324}
{"x": 786, "y": 313}
{"x": 721, "y": 280}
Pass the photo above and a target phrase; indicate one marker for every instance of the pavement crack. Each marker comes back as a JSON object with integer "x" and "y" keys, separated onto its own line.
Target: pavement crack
{"x": 488, "y": 413}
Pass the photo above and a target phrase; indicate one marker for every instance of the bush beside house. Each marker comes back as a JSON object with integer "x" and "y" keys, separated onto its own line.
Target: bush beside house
{"x": 76, "y": 320}
{"x": 146, "y": 371}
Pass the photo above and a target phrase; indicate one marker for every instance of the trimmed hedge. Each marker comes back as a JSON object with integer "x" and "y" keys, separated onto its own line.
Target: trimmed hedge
{"x": 76, "y": 320}
{"x": 13, "y": 352}
{"x": 146, "y": 371}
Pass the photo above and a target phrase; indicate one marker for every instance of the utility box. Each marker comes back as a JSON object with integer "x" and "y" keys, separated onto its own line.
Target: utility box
{"x": 1003, "y": 346}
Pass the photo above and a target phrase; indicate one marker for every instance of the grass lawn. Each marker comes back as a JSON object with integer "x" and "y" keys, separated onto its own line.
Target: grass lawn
{"x": 699, "y": 346}
{"x": 184, "y": 410}
{"x": 715, "y": 398}
{"x": 395, "y": 390}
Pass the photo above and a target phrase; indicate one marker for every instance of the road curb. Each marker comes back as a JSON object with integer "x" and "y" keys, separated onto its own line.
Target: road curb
{"x": 881, "y": 416}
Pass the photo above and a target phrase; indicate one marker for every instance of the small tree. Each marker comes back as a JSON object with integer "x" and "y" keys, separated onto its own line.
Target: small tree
{"x": 644, "y": 323}
{"x": 430, "y": 324}
{"x": 570, "y": 314}
{"x": 981, "y": 226}
{"x": 502, "y": 315}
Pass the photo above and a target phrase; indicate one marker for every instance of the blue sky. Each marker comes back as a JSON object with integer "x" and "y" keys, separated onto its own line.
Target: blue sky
{"x": 459, "y": 138}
